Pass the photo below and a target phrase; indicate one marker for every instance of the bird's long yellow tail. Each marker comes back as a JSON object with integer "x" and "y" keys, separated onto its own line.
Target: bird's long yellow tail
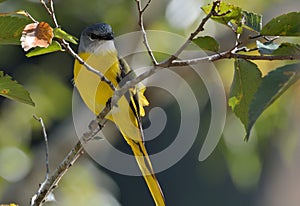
{"x": 96, "y": 94}
{"x": 143, "y": 161}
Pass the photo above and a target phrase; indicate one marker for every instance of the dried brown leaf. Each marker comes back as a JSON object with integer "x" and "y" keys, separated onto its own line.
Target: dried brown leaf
{"x": 36, "y": 34}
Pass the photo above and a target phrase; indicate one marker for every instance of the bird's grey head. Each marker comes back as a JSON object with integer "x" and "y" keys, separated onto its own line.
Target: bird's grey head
{"x": 94, "y": 36}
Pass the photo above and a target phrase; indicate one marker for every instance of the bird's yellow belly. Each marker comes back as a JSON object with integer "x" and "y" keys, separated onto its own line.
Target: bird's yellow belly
{"x": 94, "y": 92}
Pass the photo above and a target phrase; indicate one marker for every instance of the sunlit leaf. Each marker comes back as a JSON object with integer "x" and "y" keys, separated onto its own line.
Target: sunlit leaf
{"x": 36, "y": 35}
{"x": 226, "y": 13}
{"x": 266, "y": 48}
{"x": 53, "y": 47}
{"x": 247, "y": 78}
{"x": 207, "y": 43}
{"x": 231, "y": 15}
{"x": 11, "y": 27}
{"x": 284, "y": 25}
{"x": 271, "y": 88}
{"x": 13, "y": 90}
{"x": 61, "y": 34}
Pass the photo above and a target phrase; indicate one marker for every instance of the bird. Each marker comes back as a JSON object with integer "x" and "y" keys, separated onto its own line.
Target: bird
{"x": 97, "y": 48}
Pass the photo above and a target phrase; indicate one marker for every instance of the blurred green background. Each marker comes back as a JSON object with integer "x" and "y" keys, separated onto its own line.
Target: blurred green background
{"x": 262, "y": 172}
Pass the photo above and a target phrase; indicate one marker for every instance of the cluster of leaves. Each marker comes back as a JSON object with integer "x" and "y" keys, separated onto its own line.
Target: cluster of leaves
{"x": 251, "y": 93}
{"x": 19, "y": 28}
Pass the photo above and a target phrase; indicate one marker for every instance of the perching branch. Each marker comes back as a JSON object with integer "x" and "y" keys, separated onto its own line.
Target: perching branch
{"x": 231, "y": 55}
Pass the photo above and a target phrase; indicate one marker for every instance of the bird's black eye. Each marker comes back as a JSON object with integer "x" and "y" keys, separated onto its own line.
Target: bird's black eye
{"x": 94, "y": 36}
{"x": 108, "y": 36}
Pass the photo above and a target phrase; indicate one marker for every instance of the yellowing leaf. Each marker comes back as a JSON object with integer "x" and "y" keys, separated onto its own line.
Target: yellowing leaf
{"x": 235, "y": 17}
{"x": 226, "y": 13}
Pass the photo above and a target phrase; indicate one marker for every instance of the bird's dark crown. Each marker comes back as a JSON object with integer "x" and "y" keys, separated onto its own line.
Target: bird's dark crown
{"x": 99, "y": 31}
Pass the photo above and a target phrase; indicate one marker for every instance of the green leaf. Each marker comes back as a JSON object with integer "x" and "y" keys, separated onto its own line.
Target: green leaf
{"x": 271, "y": 88}
{"x": 247, "y": 78}
{"x": 226, "y": 13}
{"x": 231, "y": 15}
{"x": 12, "y": 90}
{"x": 284, "y": 25}
{"x": 266, "y": 48}
{"x": 53, "y": 47}
{"x": 61, "y": 34}
{"x": 287, "y": 49}
{"x": 11, "y": 27}
{"x": 207, "y": 43}
{"x": 252, "y": 21}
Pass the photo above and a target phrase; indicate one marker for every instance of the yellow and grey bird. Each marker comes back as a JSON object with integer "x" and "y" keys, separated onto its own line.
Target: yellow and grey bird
{"x": 97, "y": 48}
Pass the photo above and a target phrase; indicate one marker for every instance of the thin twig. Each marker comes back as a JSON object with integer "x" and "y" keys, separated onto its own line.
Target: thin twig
{"x": 29, "y": 16}
{"x": 40, "y": 120}
{"x": 53, "y": 13}
{"x": 46, "y": 7}
{"x": 141, "y": 24}
{"x": 146, "y": 6}
{"x": 52, "y": 182}
{"x": 48, "y": 196}
{"x": 200, "y": 28}
{"x": 50, "y": 10}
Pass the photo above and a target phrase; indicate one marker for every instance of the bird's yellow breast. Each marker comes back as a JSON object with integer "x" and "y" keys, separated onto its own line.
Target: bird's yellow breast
{"x": 95, "y": 93}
